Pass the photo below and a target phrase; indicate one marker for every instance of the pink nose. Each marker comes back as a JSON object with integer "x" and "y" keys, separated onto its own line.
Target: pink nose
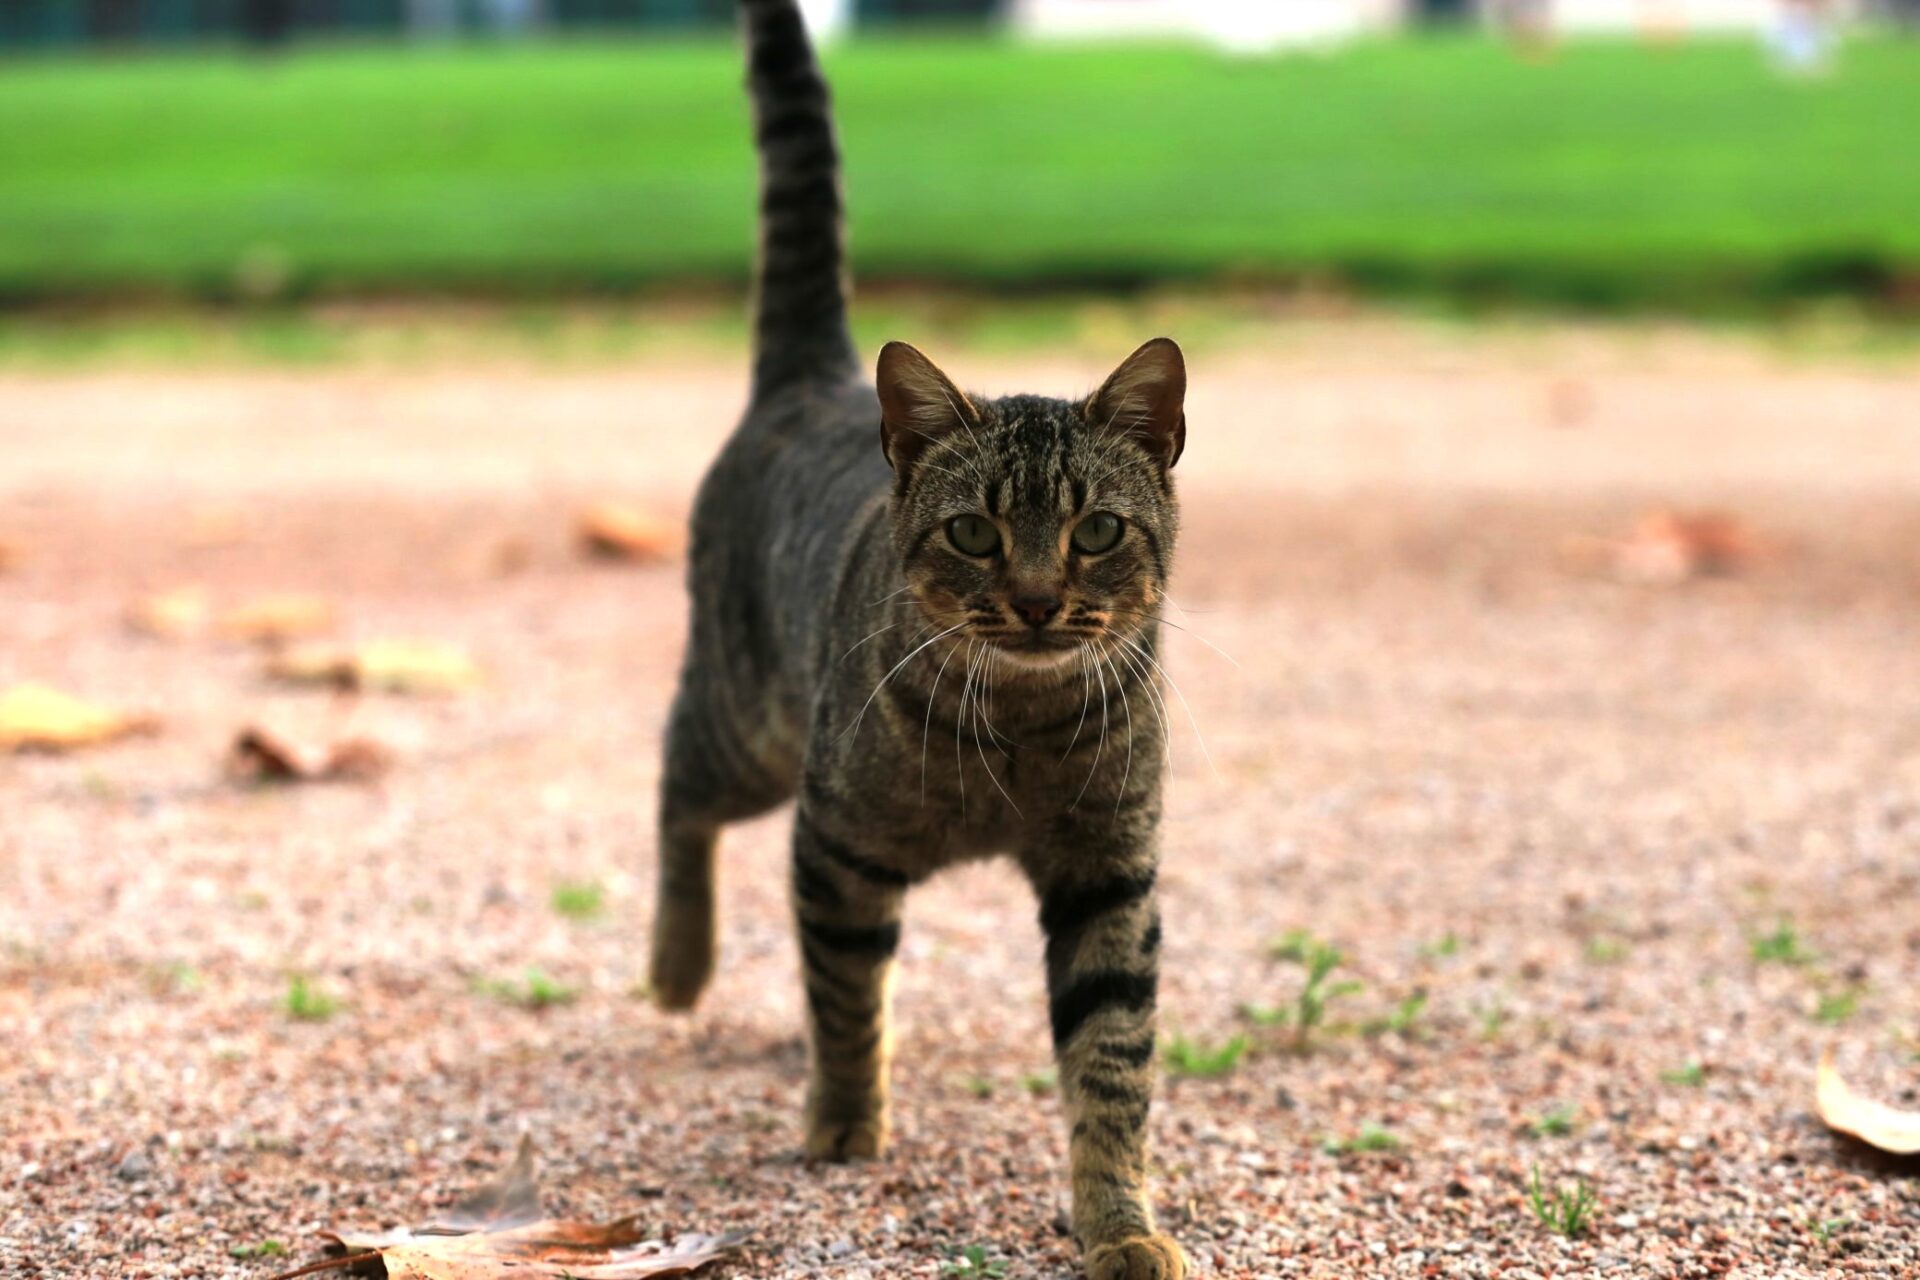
{"x": 1038, "y": 610}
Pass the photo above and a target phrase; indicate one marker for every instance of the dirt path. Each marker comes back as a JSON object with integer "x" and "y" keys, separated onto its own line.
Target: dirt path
{"x": 1560, "y": 807}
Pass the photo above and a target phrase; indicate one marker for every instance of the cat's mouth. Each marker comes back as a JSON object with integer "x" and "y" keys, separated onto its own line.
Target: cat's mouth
{"x": 1036, "y": 649}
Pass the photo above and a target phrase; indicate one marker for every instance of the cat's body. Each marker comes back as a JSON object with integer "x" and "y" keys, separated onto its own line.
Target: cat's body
{"x": 927, "y": 703}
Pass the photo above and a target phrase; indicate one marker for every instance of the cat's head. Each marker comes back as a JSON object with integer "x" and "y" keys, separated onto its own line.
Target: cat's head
{"x": 1036, "y": 525}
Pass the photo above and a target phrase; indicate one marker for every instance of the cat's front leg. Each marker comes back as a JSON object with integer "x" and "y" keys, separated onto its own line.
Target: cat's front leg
{"x": 1103, "y": 943}
{"x": 848, "y": 909}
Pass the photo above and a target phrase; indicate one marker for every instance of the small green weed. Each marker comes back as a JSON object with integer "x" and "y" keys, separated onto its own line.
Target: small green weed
{"x": 259, "y": 1249}
{"x": 1492, "y": 1017}
{"x": 1308, "y": 1012}
{"x": 1447, "y": 945}
{"x": 1405, "y": 1018}
{"x": 972, "y": 1261}
{"x": 1555, "y": 1123}
{"x": 584, "y": 901}
{"x": 1371, "y": 1138}
{"x": 1040, "y": 1082}
{"x": 1692, "y": 1075}
{"x": 534, "y": 990}
{"x": 979, "y": 1086}
{"x": 1824, "y": 1230}
{"x": 1186, "y": 1057}
{"x": 1834, "y": 1007}
{"x": 307, "y": 1003}
{"x": 1564, "y": 1212}
{"x": 1782, "y": 946}
{"x": 1604, "y": 950}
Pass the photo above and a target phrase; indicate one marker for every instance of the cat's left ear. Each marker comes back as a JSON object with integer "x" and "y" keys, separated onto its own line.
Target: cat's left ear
{"x": 1146, "y": 398}
{"x": 919, "y": 405}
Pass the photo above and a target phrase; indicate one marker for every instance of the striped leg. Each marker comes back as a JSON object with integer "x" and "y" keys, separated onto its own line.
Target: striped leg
{"x": 1103, "y": 942}
{"x": 848, "y": 909}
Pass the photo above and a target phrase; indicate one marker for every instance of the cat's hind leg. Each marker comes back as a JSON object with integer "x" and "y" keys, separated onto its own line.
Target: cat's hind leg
{"x": 708, "y": 780}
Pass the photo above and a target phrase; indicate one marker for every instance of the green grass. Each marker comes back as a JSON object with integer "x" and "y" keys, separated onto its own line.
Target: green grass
{"x": 579, "y": 901}
{"x": 534, "y": 990}
{"x": 260, "y": 1249}
{"x": 1372, "y": 1139}
{"x": 973, "y": 1261}
{"x": 1556, "y": 1122}
{"x": 1563, "y": 1211}
{"x": 305, "y": 1002}
{"x": 1616, "y": 175}
{"x": 1781, "y": 946}
{"x": 1198, "y": 1059}
{"x": 1692, "y": 1075}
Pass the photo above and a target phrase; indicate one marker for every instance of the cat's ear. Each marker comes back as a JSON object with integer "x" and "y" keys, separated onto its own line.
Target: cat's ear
{"x": 1146, "y": 398}
{"x": 919, "y": 406}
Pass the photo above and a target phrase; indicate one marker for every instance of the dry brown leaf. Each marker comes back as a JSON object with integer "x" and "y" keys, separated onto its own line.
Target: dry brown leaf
{"x": 1669, "y": 547}
{"x": 395, "y": 666}
{"x": 622, "y": 531}
{"x": 176, "y": 614}
{"x": 281, "y": 617}
{"x": 259, "y": 755}
{"x": 1874, "y": 1123}
{"x": 498, "y": 1231}
{"x": 34, "y": 717}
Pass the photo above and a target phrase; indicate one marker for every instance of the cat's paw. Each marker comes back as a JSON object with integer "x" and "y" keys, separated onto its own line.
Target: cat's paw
{"x": 679, "y": 973}
{"x": 838, "y": 1141}
{"x": 1142, "y": 1258}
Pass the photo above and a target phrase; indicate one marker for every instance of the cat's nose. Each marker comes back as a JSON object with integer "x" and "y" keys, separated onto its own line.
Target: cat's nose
{"x": 1036, "y": 607}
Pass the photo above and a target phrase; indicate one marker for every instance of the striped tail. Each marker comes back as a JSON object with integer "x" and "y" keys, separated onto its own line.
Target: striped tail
{"x": 800, "y": 292}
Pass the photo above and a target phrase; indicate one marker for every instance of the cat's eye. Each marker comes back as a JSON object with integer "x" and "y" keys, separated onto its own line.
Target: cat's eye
{"x": 1098, "y": 532}
{"x": 973, "y": 535}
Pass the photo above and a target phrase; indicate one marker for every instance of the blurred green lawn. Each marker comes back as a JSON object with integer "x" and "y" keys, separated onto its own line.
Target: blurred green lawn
{"x": 1688, "y": 176}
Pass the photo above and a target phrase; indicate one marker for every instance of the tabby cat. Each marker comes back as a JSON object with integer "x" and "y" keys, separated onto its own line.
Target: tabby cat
{"x": 946, "y": 647}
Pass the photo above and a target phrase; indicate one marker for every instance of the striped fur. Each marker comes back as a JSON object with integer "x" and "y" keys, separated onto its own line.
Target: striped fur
{"x": 925, "y": 705}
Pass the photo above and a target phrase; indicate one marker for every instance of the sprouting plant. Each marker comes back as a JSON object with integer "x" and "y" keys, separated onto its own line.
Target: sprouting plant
{"x": 1557, "y": 1122}
{"x": 259, "y": 1249}
{"x": 1824, "y": 1230}
{"x": 1194, "y": 1058}
{"x": 1562, "y": 1211}
{"x": 1692, "y": 1075}
{"x": 1309, "y": 1008}
{"x": 1782, "y": 946}
{"x": 1292, "y": 946}
{"x": 1405, "y": 1018}
{"x": 1039, "y": 1082}
{"x": 980, "y": 1086}
{"x": 1835, "y": 1007}
{"x": 307, "y": 1003}
{"x": 972, "y": 1261}
{"x": 1605, "y": 950}
{"x": 1371, "y": 1138}
{"x": 579, "y": 901}
{"x": 1447, "y": 945}
{"x": 535, "y": 990}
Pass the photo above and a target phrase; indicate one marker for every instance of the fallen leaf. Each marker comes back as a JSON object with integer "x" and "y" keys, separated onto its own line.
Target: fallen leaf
{"x": 395, "y": 666}
{"x": 498, "y": 1231}
{"x": 1669, "y": 547}
{"x": 1874, "y": 1123}
{"x": 621, "y": 531}
{"x": 259, "y": 755}
{"x": 34, "y": 717}
{"x": 171, "y": 615}
{"x": 281, "y": 617}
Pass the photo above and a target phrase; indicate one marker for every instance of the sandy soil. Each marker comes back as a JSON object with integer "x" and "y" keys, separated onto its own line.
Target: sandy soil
{"x": 1560, "y": 806}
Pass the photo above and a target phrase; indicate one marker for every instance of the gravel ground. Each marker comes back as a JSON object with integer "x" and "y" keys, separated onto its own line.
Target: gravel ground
{"x": 1561, "y": 806}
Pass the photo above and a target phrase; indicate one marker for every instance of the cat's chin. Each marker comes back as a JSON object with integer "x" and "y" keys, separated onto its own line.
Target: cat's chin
{"x": 1031, "y": 657}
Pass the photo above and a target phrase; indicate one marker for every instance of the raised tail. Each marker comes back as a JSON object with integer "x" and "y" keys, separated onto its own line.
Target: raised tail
{"x": 800, "y": 289}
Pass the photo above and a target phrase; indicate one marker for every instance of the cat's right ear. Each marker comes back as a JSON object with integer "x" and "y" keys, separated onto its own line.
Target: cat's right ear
{"x": 919, "y": 406}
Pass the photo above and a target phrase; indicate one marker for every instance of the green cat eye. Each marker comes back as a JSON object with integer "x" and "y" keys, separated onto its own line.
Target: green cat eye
{"x": 974, "y": 535}
{"x": 1098, "y": 532}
